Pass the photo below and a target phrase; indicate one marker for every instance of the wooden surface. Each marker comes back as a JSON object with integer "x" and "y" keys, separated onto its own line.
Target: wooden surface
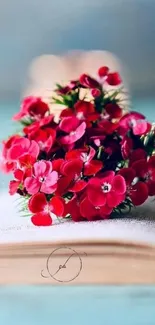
{"x": 104, "y": 263}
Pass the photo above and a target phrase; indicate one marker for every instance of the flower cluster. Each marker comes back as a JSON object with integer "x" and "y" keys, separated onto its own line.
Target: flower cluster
{"x": 95, "y": 161}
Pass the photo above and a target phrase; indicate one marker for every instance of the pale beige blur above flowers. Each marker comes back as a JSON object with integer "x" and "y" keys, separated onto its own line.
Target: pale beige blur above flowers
{"x": 47, "y": 70}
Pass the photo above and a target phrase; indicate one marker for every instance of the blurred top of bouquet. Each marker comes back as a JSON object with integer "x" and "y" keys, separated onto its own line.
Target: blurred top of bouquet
{"x": 94, "y": 161}
{"x": 48, "y": 70}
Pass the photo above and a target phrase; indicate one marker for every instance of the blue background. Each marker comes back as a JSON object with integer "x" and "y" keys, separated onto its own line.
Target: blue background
{"x": 31, "y": 28}
{"x": 93, "y": 305}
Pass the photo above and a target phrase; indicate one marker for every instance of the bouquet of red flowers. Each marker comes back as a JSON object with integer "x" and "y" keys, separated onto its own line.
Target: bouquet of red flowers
{"x": 95, "y": 162}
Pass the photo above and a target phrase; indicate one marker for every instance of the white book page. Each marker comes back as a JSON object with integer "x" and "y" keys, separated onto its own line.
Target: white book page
{"x": 17, "y": 229}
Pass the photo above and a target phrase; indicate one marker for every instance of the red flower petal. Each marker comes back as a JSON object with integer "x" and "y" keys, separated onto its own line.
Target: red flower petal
{"x": 69, "y": 124}
{"x": 114, "y": 79}
{"x": 107, "y": 177}
{"x": 13, "y": 187}
{"x": 92, "y": 167}
{"x": 72, "y": 208}
{"x": 57, "y": 164}
{"x": 73, "y": 154}
{"x": 18, "y": 174}
{"x": 75, "y": 135}
{"x": 119, "y": 185}
{"x": 88, "y": 211}
{"x": 78, "y": 186}
{"x": 66, "y": 113}
{"x": 95, "y": 92}
{"x": 126, "y": 147}
{"x": 41, "y": 219}
{"x": 56, "y": 205}
{"x": 27, "y": 161}
{"x": 63, "y": 185}
{"x": 84, "y": 107}
{"x": 139, "y": 193}
{"x": 37, "y": 203}
{"x": 113, "y": 199}
{"x": 107, "y": 126}
{"x": 151, "y": 163}
{"x": 140, "y": 167}
{"x": 72, "y": 167}
{"x": 137, "y": 154}
{"x": 151, "y": 188}
{"x": 103, "y": 71}
{"x": 95, "y": 195}
{"x": 105, "y": 211}
{"x": 129, "y": 174}
{"x": 88, "y": 82}
{"x": 113, "y": 110}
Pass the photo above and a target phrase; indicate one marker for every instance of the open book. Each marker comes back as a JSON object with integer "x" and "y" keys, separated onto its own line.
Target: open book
{"x": 110, "y": 252}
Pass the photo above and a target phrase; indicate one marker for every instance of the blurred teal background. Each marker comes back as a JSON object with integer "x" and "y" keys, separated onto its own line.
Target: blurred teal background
{"x": 93, "y": 305}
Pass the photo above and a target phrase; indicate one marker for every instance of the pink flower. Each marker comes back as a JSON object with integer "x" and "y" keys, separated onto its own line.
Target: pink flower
{"x": 137, "y": 191}
{"x": 91, "y": 212}
{"x": 42, "y": 209}
{"x": 74, "y": 128}
{"x": 32, "y": 107}
{"x": 21, "y": 147}
{"x": 134, "y": 121}
{"x": 145, "y": 170}
{"x": 43, "y": 178}
{"x": 107, "y": 189}
{"x": 90, "y": 166}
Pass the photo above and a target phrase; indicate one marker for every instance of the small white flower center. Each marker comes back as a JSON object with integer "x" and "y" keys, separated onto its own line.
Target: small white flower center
{"x": 135, "y": 180}
{"x": 41, "y": 179}
{"x": 46, "y": 209}
{"x": 80, "y": 115}
{"x": 132, "y": 123}
{"x": 41, "y": 145}
{"x": 84, "y": 157}
{"x": 106, "y": 187}
{"x": 73, "y": 133}
{"x": 76, "y": 177}
{"x": 148, "y": 176}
